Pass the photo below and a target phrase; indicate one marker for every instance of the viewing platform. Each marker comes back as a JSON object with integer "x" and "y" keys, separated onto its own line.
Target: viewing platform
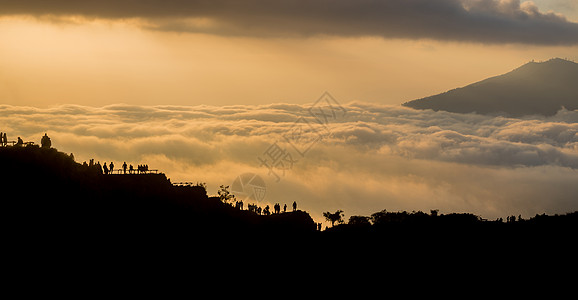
{"x": 134, "y": 172}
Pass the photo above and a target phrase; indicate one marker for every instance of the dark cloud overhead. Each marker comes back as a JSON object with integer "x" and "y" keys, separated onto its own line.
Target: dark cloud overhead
{"x": 486, "y": 21}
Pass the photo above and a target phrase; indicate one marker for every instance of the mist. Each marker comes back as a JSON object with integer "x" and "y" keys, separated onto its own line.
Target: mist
{"x": 362, "y": 158}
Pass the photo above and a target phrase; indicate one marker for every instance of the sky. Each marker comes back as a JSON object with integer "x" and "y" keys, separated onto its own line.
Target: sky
{"x": 202, "y": 89}
{"x": 227, "y": 52}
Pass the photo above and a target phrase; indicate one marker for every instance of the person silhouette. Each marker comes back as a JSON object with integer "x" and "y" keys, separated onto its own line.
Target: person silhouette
{"x": 111, "y": 167}
{"x": 45, "y": 141}
{"x": 124, "y": 167}
{"x": 99, "y": 167}
{"x": 285, "y": 207}
{"x": 20, "y": 142}
{"x": 294, "y": 205}
{"x": 105, "y": 169}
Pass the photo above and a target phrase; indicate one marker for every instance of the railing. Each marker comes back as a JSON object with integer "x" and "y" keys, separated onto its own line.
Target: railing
{"x": 133, "y": 172}
{"x": 15, "y": 143}
{"x": 186, "y": 183}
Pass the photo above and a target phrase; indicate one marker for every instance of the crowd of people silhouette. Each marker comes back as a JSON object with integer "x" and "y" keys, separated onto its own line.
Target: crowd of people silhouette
{"x": 267, "y": 210}
{"x": 277, "y": 207}
{"x": 108, "y": 169}
{"x": 4, "y": 142}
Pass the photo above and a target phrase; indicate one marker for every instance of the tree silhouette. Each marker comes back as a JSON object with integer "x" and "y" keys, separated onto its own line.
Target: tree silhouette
{"x": 359, "y": 221}
{"x": 224, "y": 193}
{"x": 334, "y": 217}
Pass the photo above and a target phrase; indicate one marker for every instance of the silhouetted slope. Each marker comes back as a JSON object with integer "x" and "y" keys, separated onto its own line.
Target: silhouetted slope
{"x": 46, "y": 191}
{"x": 458, "y": 238}
{"x": 533, "y": 89}
{"x": 59, "y": 213}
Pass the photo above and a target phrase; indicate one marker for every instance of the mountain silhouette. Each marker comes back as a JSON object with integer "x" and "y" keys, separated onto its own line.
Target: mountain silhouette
{"x": 47, "y": 193}
{"x": 536, "y": 88}
{"x": 60, "y": 214}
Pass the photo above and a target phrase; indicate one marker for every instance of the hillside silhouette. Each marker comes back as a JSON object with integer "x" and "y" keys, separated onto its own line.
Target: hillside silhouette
{"x": 536, "y": 88}
{"x": 47, "y": 191}
{"x": 454, "y": 225}
{"x": 56, "y": 209}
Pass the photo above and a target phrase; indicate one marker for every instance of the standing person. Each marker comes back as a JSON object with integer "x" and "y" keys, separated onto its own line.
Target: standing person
{"x": 45, "y": 141}
{"x": 5, "y": 139}
{"x": 124, "y": 167}
{"x": 111, "y": 167}
{"x": 294, "y": 205}
{"x": 105, "y": 169}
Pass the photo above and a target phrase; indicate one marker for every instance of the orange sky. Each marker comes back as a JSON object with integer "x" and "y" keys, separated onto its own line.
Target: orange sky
{"x": 96, "y": 62}
{"x": 74, "y": 61}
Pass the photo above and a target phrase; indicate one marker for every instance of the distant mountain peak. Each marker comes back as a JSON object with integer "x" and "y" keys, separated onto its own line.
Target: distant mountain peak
{"x": 535, "y": 88}
{"x": 559, "y": 60}
{"x": 549, "y": 64}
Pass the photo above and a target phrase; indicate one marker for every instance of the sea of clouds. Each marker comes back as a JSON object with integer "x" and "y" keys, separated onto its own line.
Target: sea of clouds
{"x": 358, "y": 157}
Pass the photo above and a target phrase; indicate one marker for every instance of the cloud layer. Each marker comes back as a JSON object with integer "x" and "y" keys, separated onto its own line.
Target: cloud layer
{"x": 486, "y": 21}
{"x": 369, "y": 158}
